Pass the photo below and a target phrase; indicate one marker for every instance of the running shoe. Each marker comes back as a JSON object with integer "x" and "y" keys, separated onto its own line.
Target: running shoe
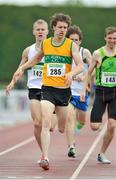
{"x": 44, "y": 163}
{"x": 38, "y": 162}
{"x": 102, "y": 159}
{"x": 42, "y": 157}
{"x": 72, "y": 152}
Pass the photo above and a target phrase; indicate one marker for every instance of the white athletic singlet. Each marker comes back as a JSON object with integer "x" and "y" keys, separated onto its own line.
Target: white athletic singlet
{"x": 76, "y": 87}
{"x": 34, "y": 79}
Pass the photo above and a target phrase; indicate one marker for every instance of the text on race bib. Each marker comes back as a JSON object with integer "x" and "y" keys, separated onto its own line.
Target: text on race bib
{"x": 55, "y": 69}
{"x": 37, "y": 71}
{"x": 109, "y": 77}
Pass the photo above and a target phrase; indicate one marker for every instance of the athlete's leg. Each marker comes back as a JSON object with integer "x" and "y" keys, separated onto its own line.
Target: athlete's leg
{"x": 54, "y": 122}
{"x": 107, "y": 139}
{"x": 61, "y": 112}
{"x": 111, "y": 125}
{"x": 81, "y": 112}
{"x": 97, "y": 112}
{"x": 47, "y": 112}
{"x": 108, "y": 135}
{"x": 81, "y": 118}
{"x": 70, "y": 125}
{"x": 35, "y": 108}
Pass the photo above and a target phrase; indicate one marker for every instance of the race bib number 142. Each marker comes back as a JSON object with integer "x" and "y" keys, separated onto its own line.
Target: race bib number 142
{"x": 37, "y": 71}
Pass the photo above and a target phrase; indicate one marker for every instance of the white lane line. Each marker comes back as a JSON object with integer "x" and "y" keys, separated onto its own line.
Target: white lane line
{"x": 18, "y": 145}
{"x": 12, "y": 177}
{"x": 86, "y": 157}
{"x": 23, "y": 178}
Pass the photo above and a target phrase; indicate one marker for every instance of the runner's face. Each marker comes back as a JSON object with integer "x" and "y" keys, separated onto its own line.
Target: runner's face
{"x": 40, "y": 31}
{"x": 60, "y": 29}
{"x": 75, "y": 38}
{"x": 111, "y": 40}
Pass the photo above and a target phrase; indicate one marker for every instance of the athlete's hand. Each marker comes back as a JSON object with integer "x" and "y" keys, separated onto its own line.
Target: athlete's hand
{"x": 68, "y": 79}
{"x": 79, "y": 78}
{"x": 9, "y": 87}
{"x": 82, "y": 96}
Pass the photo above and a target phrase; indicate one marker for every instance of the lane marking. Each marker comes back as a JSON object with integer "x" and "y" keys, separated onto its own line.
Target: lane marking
{"x": 26, "y": 177}
{"x": 18, "y": 145}
{"x": 86, "y": 157}
{"x": 37, "y": 177}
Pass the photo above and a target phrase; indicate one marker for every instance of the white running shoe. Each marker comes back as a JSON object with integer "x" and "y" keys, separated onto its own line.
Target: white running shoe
{"x": 72, "y": 152}
{"x": 102, "y": 159}
{"x": 38, "y": 162}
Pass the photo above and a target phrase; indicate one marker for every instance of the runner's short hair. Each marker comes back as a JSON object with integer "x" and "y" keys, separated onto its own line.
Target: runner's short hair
{"x": 60, "y": 17}
{"x": 74, "y": 30}
{"x": 109, "y": 30}
{"x": 40, "y": 21}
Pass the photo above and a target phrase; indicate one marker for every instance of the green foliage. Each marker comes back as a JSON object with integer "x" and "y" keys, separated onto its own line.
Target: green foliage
{"x": 16, "y": 29}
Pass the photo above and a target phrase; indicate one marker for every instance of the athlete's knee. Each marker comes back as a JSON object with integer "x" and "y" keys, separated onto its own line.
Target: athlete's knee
{"x": 37, "y": 125}
{"x": 95, "y": 126}
{"x": 61, "y": 127}
{"x": 112, "y": 123}
{"x": 36, "y": 120}
{"x": 61, "y": 130}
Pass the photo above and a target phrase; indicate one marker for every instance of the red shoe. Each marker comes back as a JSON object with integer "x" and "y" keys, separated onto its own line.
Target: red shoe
{"x": 44, "y": 163}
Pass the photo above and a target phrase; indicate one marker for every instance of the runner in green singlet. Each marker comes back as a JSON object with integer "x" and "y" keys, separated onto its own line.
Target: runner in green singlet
{"x": 104, "y": 62}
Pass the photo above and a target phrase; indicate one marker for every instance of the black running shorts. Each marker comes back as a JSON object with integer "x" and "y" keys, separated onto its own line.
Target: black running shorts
{"x": 104, "y": 97}
{"x": 34, "y": 94}
{"x": 57, "y": 96}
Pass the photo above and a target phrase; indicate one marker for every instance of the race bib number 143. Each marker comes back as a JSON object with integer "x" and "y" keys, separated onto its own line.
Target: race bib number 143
{"x": 109, "y": 77}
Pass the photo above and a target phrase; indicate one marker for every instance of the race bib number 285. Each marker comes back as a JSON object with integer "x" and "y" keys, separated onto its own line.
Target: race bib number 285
{"x": 55, "y": 69}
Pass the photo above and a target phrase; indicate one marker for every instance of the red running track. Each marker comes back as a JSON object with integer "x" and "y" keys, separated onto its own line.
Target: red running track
{"x": 19, "y": 153}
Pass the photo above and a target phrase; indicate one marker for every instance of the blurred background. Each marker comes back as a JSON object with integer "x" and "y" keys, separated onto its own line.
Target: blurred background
{"x": 16, "y": 20}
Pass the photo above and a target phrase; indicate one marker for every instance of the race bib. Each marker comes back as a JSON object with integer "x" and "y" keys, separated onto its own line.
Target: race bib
{"x": 55, "y": 69}
{"x": 109, "y": 77}
{"x": 37, "y": 71}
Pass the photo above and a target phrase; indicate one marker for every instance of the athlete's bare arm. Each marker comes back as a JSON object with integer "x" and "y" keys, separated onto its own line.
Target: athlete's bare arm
{"x": 78, "y": 62}
{"x": 24, "y": 58}
{"x": 37, "y": 58}
{"x": 77, "y": 58}
{"x": 12, "y": 83}
{"x": 87, "y": 55}
{"x": 94, "y": 62}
